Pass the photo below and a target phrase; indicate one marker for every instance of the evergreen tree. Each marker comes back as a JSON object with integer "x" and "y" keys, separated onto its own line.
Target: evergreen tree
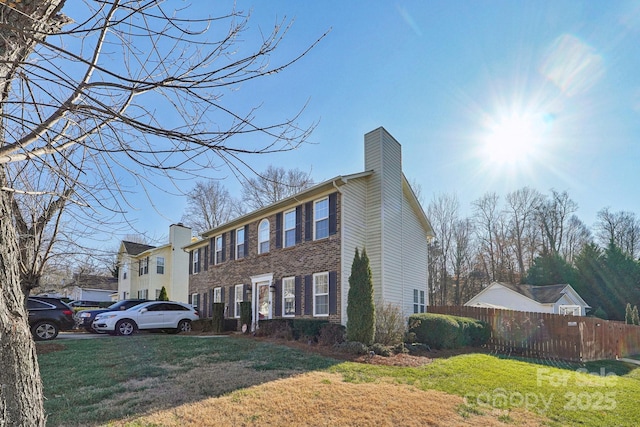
{"x": 628, "y": 314}
{"x": 635, "y": 319}
{"x": 360, "y": 305}
{"x": 550, "y": 269}
{"x": 163, "y": 295}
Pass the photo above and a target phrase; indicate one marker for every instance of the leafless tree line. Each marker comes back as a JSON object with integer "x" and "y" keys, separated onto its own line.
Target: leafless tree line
{"x": 500, "y": 240}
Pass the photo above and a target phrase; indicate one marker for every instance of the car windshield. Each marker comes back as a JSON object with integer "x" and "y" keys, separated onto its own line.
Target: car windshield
{"x": 123, "y": 305}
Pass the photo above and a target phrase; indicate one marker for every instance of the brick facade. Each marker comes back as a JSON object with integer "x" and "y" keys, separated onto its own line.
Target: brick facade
{"x": 302, "y": 260}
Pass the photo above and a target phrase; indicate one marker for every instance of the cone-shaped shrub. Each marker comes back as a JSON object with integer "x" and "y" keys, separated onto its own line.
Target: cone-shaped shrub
{"x": 361, "y": 319}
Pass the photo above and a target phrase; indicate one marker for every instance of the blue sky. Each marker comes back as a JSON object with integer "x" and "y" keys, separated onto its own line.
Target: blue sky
{"x": 450, "y": 80}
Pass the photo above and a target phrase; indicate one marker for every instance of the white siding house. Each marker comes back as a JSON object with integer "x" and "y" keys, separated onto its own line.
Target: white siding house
{"x": 557, "y": 299}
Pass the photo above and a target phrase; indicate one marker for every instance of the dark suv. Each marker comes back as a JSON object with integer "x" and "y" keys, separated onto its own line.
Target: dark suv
{"x": 85, "y": 318}
{"x": 48, "y": 316}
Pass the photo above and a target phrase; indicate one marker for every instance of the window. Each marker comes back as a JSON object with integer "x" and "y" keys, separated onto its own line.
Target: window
{"x": 143, "y": 294}
{"x": 289, "y": 296}
{"x": 572, "y": 310}
{"x": 263, "y": 237}
{"x": 218, "y": 253}
{"x": 240, "y": 243}
{"x": 418, "y": 301}
{"x": 321, "y": 219}
{"x": 238, "y": 299}
{"x": 217, "y": 294}
{"x": 195, "y": 300}
{"x": 157, "y": 294}
{"x": 289, "y": 228}
{"x": 321, "y": 294}
{"x": 144, "y": 266}
{"x": 160, "y": 265}
{"x": 125, "y": 268}
{"x": 196, "y": 260}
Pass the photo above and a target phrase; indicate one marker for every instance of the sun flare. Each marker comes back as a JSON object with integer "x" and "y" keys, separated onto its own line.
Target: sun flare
{"x": 511, "y": 140}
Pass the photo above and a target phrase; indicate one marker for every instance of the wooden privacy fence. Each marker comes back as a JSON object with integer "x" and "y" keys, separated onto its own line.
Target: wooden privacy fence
{"x": 546, "y": 335}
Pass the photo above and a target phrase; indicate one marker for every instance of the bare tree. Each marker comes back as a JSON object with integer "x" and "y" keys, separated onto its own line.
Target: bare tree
{"x": 520, "y": 212}
{"x": 487, "y": 218}
{"x": 552, "y": 214}
{"x": 128, "y": 87}
{"x": 210, "y": 204}
{"x": 272, "y": 185}
{"x": 621, "y": 228}
{"x": 577, "y": 235}
{"x": 462, "y": 257}
{"x": 443, "y": 213}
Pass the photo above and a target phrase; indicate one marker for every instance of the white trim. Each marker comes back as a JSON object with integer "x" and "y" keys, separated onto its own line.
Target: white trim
{"x": 216, "y": 260}
{"x": 238, "y": 243}
{"x": 315, "y": 294}
{"x": 285, "y": 229}
{"x": 219, "y": 289}
{"x": 236, "y": 301}
{"x": 261, "y": 278}
{"x": 293, "y": 280}
{"x": 264, "y": 221}
{"x": 316, "y": 219}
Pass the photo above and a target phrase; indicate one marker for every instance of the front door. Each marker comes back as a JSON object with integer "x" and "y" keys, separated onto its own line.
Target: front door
{"x": 263, "y": 301}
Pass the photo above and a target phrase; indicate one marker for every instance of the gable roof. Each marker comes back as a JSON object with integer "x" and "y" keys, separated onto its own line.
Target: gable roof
{"x": 133, "y": 248}
{"x": 543, "y": 294}
{"x": 92, "y": 281}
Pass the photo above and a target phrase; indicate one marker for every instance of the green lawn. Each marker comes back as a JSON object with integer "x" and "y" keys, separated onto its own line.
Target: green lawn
{"x": 90, "y": 382}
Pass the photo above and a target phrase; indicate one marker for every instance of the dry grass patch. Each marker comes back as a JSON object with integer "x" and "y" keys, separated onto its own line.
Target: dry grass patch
{"x": 321, "y": 398}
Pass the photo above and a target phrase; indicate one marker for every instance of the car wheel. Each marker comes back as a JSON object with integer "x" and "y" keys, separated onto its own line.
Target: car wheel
{"x": 184, "y": 326}
{"x": 125, "y": 327}
{"x": 44, "y": 331}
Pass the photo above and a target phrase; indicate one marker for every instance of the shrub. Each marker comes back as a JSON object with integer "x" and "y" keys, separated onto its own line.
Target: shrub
{"x": 390, "y": 324}
{"x": 381, "y": 350}
{"x": 245, "y": 314}
{"x": 276, "y": 328}
{"x": 352, "y": 347}
{"x": 307, "y": 328}
{"x": 163, "y": 295}
{"x": 445, "y": 331}
{"x": 361, "y": 323}
{"x": 331, "y": 334}
{"x": 217, "y": 319}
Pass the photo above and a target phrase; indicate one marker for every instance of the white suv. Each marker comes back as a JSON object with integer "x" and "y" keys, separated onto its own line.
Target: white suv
{"x": 164, "y": 315}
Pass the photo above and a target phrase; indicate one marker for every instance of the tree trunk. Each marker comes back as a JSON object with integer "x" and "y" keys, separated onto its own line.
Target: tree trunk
{"x": 20, "y": 385}
{"x": 22, "y": 26}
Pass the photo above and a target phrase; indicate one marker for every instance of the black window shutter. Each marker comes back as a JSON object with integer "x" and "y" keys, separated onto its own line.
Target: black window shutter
{"x": 199, "y": 259}
{"x": 246, "y": 240}
{"x": 232, "y": 245}
{"x": 203, "y": 305}
{"x": 308, "y": 294}
{"x": 206, "y": 258}
{"x": 333, "y": 217}
{"x": 298, "y": 224}
{"x": 189, "y": 300}
{"x": 222, "y": 294}
{"x": 298, "y": 291}
{"x": 278, "y": 230}
{"x": 212, "y": 250}
{"x": 333, "y": 294}
{"x": 278, "y": 297}
{"x": 232, "y": 303}
{"x": 210, "y": 305}
{"x": 308, "y": 221}
{"x": 190, "y": 265}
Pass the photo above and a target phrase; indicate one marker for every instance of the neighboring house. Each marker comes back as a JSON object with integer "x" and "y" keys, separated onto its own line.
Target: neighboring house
{"x": 90, "y": 287}
{"x": 145, "y": 269}
{"x": 293, "y": 258}
{"x": 558, "y": 299}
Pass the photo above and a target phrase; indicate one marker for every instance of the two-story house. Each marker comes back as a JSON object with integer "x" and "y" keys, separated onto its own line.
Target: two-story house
{"x": 145, "y": 269}
{"x": 293, "y": 258}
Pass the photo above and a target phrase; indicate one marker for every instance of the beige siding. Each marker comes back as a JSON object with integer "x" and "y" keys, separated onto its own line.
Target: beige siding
{"x": 353, "y": 229}
{"x": 373, "y": 161}
{"x": 414, "y": 256}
